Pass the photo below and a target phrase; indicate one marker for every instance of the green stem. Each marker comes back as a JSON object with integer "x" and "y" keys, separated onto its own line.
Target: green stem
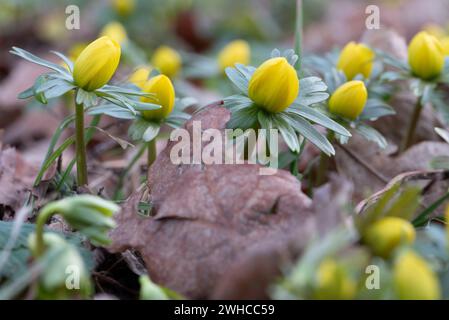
{"x": 151, "y": 152}
{"x": 324, "y": 163}
{"x": 299, "y": 33}
{"x": 42, "y": 219}
{"x": 408, "y": 138}
{"x": 81, "y": 166}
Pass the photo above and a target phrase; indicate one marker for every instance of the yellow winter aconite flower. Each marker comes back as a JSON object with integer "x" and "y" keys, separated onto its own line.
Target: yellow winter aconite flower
{"x": 387, "y": 234}
{"x": 356, "y": 58}
{"x": 413, "y": 278}
{"x": 237, "y": 51}
{"x": 425, "y": 56}
{"x": 96, "y": 64}
{"x": 445, "y": 45}
{"x": 164, "y": 95}
{"x": 116, "y": 31}
{"x": 167, "y": 60}
{"x": 333, "y": 282}
{"x": 274, "y": 85}
{"x": 140, "y": 76}
{"x": 349, "y": 99}
{"x": 124, "y": 7}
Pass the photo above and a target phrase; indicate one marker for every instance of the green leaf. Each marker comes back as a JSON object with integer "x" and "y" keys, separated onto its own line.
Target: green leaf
{"x": 151, "y": 132}
{"x": 371, "y": 134}
{"x": 142, "y": 129}
{"x": 304, "y": 128}
{"x": 287, "y": 132}
{"x": 238, "y": 79}
{"x": 243, "y": 118}
{"x": 321, "y": 119}
{"x": 444, "y": 134}
{"x": 375, "y": 109}
{"x": 237, "y": 102}
{"x": 440, "y": 162}
{"x": 112, "y": 110}
{"x": 66, "y": 60}
{"x": 34, "y": 59}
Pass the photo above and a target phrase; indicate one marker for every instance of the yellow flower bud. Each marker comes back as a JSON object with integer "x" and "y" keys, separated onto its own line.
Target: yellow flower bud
{"x": 124, "y": 7}
{"x": 333, "y": 282}
{"x": 413, "y": 278}
{"x": 274, "y": 85}
{"x": 356, "y": 58}
{"x": 425, "y": 56}
{"x": 237, "y": 51}
{"x": 140, "y": 76}
{"x": 116, "y": 31}
{"x": 387, "y": 234}
{"x": 349, "y": 99}
{"x": 96, "y": 64}
{"x": 445, "y": 45}
{"x": 164, "y": 95}
{"x": 167, "y": 60}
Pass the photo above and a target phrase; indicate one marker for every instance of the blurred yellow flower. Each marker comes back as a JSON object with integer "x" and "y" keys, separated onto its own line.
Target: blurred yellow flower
{"x": 356, "y": 58}
{"x": 96, "y": 64}
{"x": 124, "y": 7}
{"x": 167, "y": 60}
{"x": 425, "y": 56}
{"x": 445, "y": 45}
{"x": 116, "y": 31}
{"x": 140, "y": 76}
{"x": 274, "y": 85}
{"x": 334, "y": 282}
{"x": 386, "y": 234}
{"x": 237, "y": 51}
{"x": 164, "y": 95}
{"x": 349, "y": 100}
{"x": 413, "y": 278}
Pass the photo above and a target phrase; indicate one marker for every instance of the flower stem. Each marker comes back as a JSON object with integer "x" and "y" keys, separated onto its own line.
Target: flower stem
{"x": 151, "y": 152}
{"x": 42, "y": 218}
{"x": 408, "y": 138}
{"x": 81, "y": 166}
{"x": 299, "y": 33}
{"x": 324, "y": 163}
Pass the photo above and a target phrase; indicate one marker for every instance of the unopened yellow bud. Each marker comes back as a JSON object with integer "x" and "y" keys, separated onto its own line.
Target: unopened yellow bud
{"x": 96, "y": 64}
{"x": 349, "y": 100}
{"x": 387, "y": 234}
{"x": 356, "y": 58}
{"x": 414, "y": 279}
{"x": 445, "y": 45}
{"x": 124, "y": 7}
{"x": 164, "y": 95}
{"x": 425, "y": 56}
{"x": 116, "y": 31}
{"x": 274, "y": 85}
{"x": 167, "y": 60}
{"x": 334, "y": 282}
{"x": 140, "y": 76}
{"x": 237, "y": 51}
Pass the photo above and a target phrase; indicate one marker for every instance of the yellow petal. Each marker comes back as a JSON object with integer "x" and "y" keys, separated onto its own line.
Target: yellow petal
{"x": 334, "y": 282}
{"x": 349, "y": 100}
{"x": 116, "y": 31}
{"x": 274, "y": 85}
{"x": 164, "y": 95}
{"x": 140, "y": 76}
{"x": 97, "y": 63}
{"x": 167, "y": 60}
{"x": 387, "y": 234}
{"x": 237, "y": 51}
{"x": 414, "y": 279}
{"x": 354, "y": 59}
{"x": 425, "y": 56}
